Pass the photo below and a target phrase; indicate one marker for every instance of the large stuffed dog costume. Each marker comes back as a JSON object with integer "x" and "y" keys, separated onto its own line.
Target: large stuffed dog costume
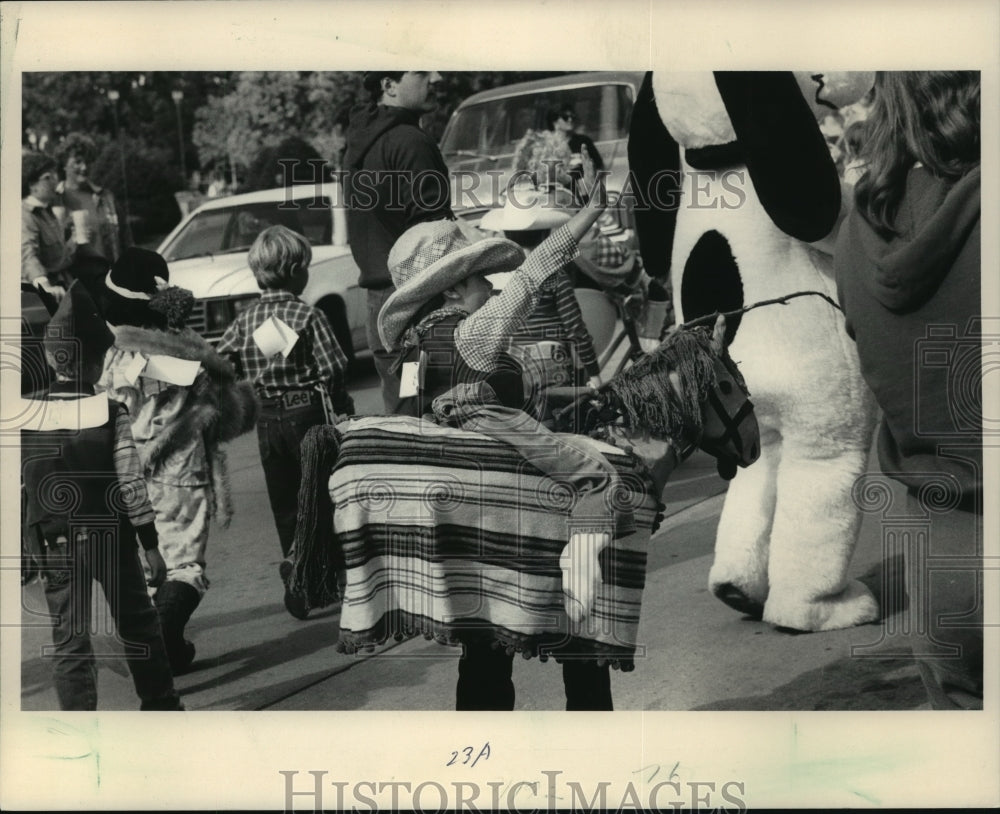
{"x": 744, "y": 201}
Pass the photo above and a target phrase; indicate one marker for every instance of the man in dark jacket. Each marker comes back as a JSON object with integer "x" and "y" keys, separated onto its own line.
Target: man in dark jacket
{"x": 395, "y": 178}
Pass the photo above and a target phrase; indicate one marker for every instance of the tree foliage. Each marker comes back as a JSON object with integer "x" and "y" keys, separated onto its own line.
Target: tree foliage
{"x": 57, "y": 103}
{"x": 228, "y": 120}
{"x": 152, "y": 177}
{"x": 265, "y": 107}
{"x": 304, "y": 164}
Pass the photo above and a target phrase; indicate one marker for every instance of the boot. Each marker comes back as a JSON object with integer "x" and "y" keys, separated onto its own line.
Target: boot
{"x": 295, "y": 602}
{"x": 175, "y": 602}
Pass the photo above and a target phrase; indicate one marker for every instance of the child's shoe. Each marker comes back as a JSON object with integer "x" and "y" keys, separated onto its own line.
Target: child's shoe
{"x": 295, "y": 603}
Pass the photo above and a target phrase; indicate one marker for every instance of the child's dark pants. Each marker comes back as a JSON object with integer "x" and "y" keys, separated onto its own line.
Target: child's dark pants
{"x": 281, "y": 426}
{"x": 485, "y": 681}
{"x": 109, "y": 556}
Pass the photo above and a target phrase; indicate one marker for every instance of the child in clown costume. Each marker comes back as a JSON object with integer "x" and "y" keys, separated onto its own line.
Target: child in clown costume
{"x": 183, "y": 400}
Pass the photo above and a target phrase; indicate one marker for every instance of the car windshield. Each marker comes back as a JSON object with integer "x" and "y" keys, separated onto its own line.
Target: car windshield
{"x": 234, "y": 228}
{"x": 492, "y": 129}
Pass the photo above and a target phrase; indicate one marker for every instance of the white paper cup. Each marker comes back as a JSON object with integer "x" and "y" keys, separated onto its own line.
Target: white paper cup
{"x": 81, "y": 225}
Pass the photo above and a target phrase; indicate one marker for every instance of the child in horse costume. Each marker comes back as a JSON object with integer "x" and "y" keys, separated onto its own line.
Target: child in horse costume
{"x": 450, "y": 333}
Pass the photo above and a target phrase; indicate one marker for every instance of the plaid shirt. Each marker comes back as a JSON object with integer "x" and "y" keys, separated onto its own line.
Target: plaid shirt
{"x": 316, "y": 358}
{"x": 485, "y": 334}
{"x": 608, "y": 253}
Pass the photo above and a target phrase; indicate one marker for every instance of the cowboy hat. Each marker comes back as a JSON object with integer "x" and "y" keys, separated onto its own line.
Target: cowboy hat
{"x": 430, "y": 258}
{"x": 527, "y": 208}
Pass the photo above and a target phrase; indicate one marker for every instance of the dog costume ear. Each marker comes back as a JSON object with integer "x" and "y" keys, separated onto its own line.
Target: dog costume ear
{"x": 786, "y": 156}
{"x": 654, "y": 161}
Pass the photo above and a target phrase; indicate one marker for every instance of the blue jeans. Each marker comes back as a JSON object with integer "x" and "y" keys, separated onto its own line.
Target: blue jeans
{"x": 383, "y": 359}
{"x": 280, "y": 431}
{"x": 111, "y": 557}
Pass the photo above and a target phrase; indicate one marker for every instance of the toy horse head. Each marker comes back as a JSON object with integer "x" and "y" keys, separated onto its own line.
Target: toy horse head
{"x": 729, "y": 427}
{"x": 688, "y": 391}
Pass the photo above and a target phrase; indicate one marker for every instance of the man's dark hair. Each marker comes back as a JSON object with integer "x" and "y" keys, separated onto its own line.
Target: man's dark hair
{"x": 558, "y": 113}
{"x": 33, "y": 167}
{"x": 372, "y": 81}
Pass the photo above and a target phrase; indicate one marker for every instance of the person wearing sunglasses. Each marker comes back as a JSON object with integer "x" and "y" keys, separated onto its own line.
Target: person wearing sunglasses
{"x": 563, "y": 120}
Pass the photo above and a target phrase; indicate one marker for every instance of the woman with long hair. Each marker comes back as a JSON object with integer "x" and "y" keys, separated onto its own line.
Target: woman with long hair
{"x": 908, "y": 273}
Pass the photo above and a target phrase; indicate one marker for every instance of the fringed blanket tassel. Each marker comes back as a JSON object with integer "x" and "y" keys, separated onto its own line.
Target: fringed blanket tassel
{"x": 317, "y": 554}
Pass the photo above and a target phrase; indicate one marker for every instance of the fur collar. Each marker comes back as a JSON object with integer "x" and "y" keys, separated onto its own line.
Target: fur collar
{"x": 184, "y": 344}
{"x": 217, "y": 407}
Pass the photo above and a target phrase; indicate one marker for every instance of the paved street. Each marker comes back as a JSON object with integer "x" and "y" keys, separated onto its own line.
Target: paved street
{"x": 699, "y": 654}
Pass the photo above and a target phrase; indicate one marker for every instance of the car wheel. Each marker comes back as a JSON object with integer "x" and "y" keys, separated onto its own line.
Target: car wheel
{"x": 336, "y": 313}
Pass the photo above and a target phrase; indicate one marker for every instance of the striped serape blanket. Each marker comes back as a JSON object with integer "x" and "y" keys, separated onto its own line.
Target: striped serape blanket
{"x": 452, "y": 535}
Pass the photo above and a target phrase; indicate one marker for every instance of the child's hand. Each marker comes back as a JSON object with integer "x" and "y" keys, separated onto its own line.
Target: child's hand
{"x": 157, "y": 568}
{"x": 589, "y": 169}
{"x": 581, "y": 572}
{"x": 580, "y": 224}
{"x": 598, "y": 192}
{"x": 56, "y": 291}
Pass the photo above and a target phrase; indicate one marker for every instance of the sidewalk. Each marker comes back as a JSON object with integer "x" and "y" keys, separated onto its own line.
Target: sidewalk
{"x": 699, "y": 654}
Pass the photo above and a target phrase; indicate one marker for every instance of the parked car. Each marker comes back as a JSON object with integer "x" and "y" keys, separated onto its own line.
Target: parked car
{"x": 479, "y": 140}
{"x": 207, "y": 253}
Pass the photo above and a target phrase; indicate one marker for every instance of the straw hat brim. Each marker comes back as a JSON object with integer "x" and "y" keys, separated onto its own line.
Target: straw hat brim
{"x": 513, "y": 219}
{"x": 488, "y": 255}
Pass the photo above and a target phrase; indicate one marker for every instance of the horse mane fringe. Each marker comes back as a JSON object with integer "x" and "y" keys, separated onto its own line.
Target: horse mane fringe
{"x": 316, "y": 551}
{"x": 643, "y": 392}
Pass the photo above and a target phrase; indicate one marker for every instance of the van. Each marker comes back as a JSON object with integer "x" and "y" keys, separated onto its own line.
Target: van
{"x": 479, "y": 140}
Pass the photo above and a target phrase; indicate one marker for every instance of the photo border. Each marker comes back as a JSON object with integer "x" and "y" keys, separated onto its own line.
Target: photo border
{"x": 224, "y": 760}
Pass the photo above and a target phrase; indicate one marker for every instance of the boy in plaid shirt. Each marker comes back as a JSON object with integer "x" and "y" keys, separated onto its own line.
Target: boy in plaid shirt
{"x": 299, "y": 385}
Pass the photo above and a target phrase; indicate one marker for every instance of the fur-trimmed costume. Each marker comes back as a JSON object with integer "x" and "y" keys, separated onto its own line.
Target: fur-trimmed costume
{"x": 178, "y": 431}
{"x": 743, "y": 192}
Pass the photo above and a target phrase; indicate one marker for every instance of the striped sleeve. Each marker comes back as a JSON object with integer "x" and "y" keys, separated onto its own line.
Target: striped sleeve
{"x": 130, "y": 474}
